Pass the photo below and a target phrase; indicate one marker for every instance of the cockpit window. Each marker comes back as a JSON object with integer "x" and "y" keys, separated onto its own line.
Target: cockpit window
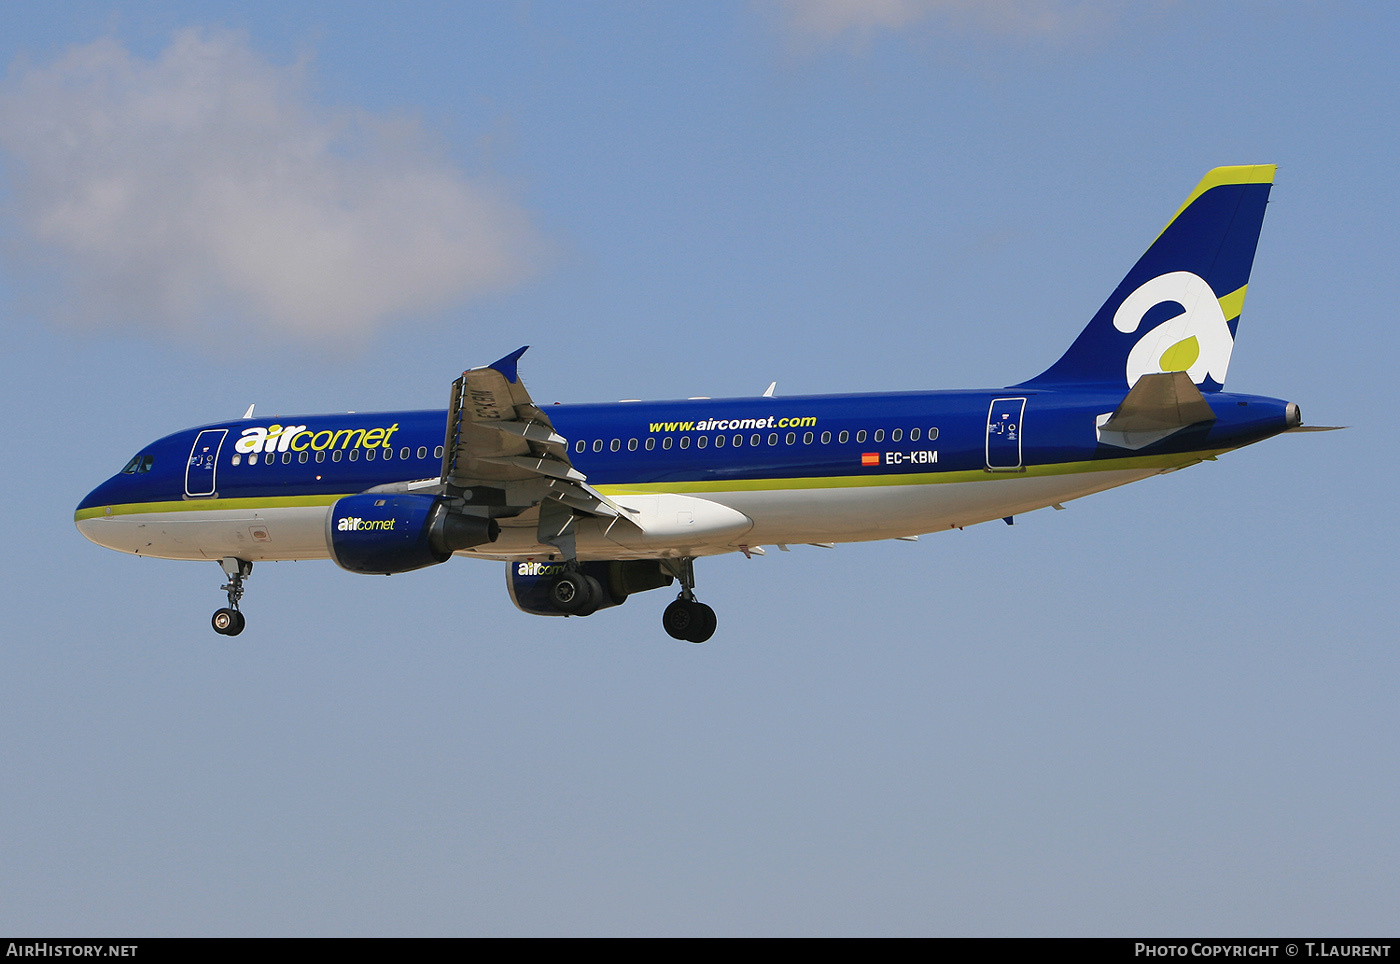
{"x": 139, "y": 465}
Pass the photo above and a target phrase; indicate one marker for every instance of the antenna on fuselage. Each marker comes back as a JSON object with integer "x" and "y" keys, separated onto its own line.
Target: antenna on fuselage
{"x": 249, "y": 413}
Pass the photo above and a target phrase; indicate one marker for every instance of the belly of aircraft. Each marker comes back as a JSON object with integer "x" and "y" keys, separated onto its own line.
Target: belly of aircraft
{"x": 253, "y": 534}
{"x": 765, "y": 516}
{"x": 837, "y": 514}
{"x": 885, "y": 512}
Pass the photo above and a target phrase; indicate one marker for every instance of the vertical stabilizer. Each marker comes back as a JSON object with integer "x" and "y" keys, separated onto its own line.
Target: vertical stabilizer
{"x": 1178, "y": 308}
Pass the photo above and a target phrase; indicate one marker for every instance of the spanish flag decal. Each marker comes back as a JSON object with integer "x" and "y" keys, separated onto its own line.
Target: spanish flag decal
{"x": 870, "y": 458}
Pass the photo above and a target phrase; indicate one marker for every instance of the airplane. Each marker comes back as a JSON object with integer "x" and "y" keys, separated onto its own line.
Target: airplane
{"x": 589, "y": 504}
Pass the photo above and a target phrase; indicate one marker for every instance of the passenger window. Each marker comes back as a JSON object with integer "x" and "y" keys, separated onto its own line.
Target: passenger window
{"x": 597, "y": 445}
{"x": 791, "y": 438}
{"x": 302, "y": 456}
{"x": 236, "y": 459}
{"x": 772, "y": 438}
{"x": 651, "y": 444}
{"x": 335, "y": 455}
{"x": 422, "y": 451}
{"x": 578, "y": 446}
{"x": 354, "y": 455}
{"x": 879, "y": 435}
{"x": 719, "y": 441}
{"x": 387, "y": 453}
{"x": 913, "y": 435}
{"x": 437, "y": 452}
{"x": 685, "y": 441}
{"x": 755, "y": 440}
{"x": 826, "y": 438}
{"x": 738, "y": 440}
{"x": 806, "y": 438}
{"x": 369, "y": 455}
{"x": 614, "y": 445}
{"x": 631, "y": 445}
{"x": 860, "y": 435}
{"x": 702, "y": 441}
{"x": 286, "y": 458}
{"x": 320, "y": 456}
{"x": 844, "y": 437}
{"x": 666, "y": 442}
{"x": 932, "y": 434}
{"x": 896, "y": 435}
{"x": 403, "y": 452}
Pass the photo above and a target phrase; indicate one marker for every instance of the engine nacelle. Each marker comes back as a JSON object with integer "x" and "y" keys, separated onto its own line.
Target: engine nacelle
{"x": 380, "y": 534}
{"x": 529, "y": 583}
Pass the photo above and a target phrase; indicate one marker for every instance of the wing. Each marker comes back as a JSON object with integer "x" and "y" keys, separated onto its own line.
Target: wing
{"x": 501, "y": 452}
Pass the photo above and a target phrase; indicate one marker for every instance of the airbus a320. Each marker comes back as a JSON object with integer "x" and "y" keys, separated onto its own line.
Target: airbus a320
{"x": 589, "y": 504}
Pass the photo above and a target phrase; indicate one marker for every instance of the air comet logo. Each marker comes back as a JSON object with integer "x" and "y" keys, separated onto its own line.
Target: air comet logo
{"x": 354, "y": 524}
{"x": 539, "y": 568}
{"x": 295, "y": 438}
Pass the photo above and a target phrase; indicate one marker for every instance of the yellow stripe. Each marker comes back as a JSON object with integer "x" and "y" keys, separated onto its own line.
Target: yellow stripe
{"x": 913, "y": 478}
{"x": 1233, "y": 303}
{"x": 205, "y": 505}
{"x": 1244, "y": 174}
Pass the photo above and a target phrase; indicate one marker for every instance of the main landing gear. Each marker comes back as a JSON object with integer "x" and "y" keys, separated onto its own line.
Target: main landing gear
{"x": 229, "y": 621}
{"x": 687, "y": 618}
{"x": 579, "y": 592}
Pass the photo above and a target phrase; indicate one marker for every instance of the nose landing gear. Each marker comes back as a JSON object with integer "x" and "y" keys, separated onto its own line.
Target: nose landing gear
{"x": 229, "y": 621}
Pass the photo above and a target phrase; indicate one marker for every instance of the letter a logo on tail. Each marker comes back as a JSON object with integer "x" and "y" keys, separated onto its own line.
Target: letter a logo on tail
{"x": 1197, "y": 341}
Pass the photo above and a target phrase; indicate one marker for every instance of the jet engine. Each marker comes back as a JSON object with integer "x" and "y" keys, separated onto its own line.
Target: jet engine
{"x": 380, "y": 534}
{"x": 557, "y": 589}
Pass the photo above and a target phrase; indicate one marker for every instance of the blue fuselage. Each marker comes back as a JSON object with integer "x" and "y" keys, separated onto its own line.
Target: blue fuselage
{"x": 691, "y": 446}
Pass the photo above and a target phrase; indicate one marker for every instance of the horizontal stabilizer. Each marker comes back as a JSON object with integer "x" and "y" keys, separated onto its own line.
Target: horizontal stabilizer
{"x": 1158, "y": 405}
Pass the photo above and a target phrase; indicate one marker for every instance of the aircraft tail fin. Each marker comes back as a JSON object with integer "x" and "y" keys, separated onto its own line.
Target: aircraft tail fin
{"x": 1177, "y": 310}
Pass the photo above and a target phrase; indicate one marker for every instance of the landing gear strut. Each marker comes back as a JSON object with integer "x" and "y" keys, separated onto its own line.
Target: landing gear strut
{"x": 687, "y": 618}
{"x": 229, "y": 621}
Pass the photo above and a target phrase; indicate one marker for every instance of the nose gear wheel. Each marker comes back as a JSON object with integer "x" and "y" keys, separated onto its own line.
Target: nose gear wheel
{"x": 230, "y": 621}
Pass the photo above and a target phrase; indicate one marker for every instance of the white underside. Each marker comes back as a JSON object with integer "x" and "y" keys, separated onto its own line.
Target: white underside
{"x": 668, "y": 525}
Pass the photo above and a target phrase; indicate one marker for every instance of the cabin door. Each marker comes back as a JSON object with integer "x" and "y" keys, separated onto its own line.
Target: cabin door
{"x": 204, "y": 459}
{"x": 1004, "y": 434}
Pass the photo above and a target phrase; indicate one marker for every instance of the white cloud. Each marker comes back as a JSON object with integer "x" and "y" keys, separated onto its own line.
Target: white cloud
{"x": 825, "y": 21}
{"x": 203, "y": 192}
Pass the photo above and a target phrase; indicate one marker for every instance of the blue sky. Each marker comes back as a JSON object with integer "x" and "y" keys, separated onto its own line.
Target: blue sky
{"x": 1167, "y": 710}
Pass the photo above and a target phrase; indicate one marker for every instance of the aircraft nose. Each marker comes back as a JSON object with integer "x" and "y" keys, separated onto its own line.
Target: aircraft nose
{"x": 93, "y": 516}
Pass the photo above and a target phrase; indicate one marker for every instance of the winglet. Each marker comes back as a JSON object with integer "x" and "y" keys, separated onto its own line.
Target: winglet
{"x": 506, "y": 365}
